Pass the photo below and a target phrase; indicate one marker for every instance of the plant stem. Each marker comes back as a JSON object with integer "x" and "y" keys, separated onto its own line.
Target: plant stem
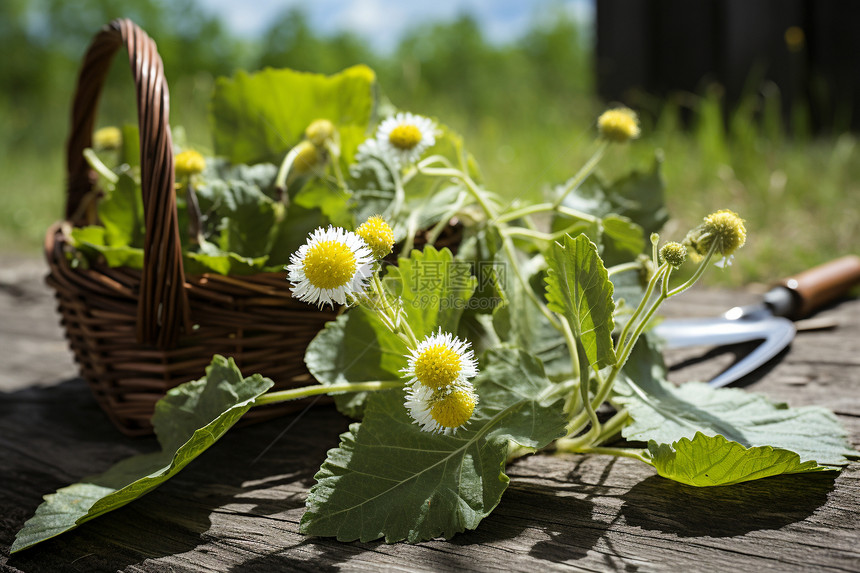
{"x": 492, "y": 216}
{"x": 511, "y": 254}
{"x": 577, "y": 357}
{"x": 537, "y": 235}
{"x": 649, "y": 290}
{"x": 477, "y": 192}
{"x": 397, "y": 326}
{"x": 699, "y": 271}
{"x": 283, "y": 171}
{"x": 543, "y": 208}
{"x": 635, "y": 453}
{"x": 297, "y": 393}
{"x": 334, "y": 151}
{"x": 584, "y": 172}
{"x": 102, "y": 169}
{"x": 623, "y": 268}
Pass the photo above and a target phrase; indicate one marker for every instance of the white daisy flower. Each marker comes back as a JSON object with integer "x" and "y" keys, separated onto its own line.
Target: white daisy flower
{"x": 441, "y": 411}
{"x": 333, "y": 264}
{"x": 406, "y": 136}
{"x": 439, "y": 361}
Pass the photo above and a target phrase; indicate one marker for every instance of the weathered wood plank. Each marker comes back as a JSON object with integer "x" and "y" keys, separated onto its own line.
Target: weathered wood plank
{"x": 230, "y": 511}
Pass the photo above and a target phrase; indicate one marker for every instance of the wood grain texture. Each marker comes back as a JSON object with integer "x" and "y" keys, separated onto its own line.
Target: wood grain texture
{"x": 237, "y": 508}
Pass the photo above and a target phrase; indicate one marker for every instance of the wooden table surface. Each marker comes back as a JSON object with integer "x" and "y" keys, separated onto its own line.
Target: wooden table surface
{"x": 238, "y": 506}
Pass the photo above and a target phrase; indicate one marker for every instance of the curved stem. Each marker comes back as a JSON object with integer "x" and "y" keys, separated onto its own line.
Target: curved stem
{"x": 649, "y": 290}
{"x": 537, "y": 235}
{"x": 397, "y": 326}
{"x": 699, "y": 271}
{"x": 543, "y": 208}
{"x": 584, "y": 172}
{"x": 635, "y": 453}
{"x": 477, "y": 192}
{"x": 334, "y": 150}
{"x": 508, "y": 246}
{"x": 283, "y": 171}
{"x": 96, "y": 164}
{"x": 623, "y": 268}
{"x": 297, "y": 393}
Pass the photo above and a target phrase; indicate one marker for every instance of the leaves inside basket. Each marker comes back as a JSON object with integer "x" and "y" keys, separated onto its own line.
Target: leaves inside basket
{"x": 189, "y": 419}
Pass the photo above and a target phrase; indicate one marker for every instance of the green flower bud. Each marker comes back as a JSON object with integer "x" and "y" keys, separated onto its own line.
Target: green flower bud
{"x": 673, "y": 253}
{"x": 320, "y": 131}
{"x": 723, "y": 230}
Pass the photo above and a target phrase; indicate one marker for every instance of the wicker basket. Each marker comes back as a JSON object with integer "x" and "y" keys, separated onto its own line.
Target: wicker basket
{"x": 137, "y": 333}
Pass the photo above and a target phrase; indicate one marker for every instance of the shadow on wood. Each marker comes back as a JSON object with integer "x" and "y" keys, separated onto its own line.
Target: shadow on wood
{"x": 772, "y": 503}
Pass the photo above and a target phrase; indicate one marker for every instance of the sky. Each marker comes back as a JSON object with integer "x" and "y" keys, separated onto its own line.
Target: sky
{"x": 382, "y": 22}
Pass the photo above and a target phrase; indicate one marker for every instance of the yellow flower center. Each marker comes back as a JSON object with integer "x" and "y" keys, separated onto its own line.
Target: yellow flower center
{"x": 405, "y": 136}
{"x": 437, "y": 367}
{"x": 378, "y": 236}
{"x": 329, "y": 264}
{"x": 618, "y": 125}
{"x": 454, "y": 410}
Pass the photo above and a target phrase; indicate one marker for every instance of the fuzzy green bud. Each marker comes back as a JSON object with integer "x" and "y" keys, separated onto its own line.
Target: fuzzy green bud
{"x": 724, "y": 231}
{"x": 673, "y": 253}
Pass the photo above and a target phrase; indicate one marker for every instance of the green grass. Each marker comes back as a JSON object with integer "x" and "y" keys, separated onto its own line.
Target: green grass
{"x": 799, "y": 197}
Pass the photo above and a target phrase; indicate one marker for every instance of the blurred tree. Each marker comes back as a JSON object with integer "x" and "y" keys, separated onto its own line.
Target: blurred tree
{"x": 290, "y": 42}
{"x": 556, "y": 50}
{"x": 43, "y": 41}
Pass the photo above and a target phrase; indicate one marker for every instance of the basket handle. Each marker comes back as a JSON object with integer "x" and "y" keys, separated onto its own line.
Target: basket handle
{"x": 163, "y": 304}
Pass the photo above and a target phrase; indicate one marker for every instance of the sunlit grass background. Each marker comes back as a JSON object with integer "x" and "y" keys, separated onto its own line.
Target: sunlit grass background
{"x": 527, "y": 112}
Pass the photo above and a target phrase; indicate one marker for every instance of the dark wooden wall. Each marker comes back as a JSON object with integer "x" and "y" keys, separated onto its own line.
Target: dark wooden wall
{"x": 649, "y": 48}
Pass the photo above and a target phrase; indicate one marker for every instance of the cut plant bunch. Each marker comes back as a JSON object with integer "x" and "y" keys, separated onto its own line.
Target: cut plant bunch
{"x": 453, "y": 364}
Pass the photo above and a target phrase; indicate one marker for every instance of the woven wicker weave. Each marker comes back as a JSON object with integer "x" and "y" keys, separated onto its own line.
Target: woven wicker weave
{"x": 137, "y": 333}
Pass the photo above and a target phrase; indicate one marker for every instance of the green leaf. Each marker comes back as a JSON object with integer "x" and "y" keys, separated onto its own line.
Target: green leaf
{"x": 518, "y": 322}
{"x": 434, "y": 289}
{"x": 637, "y": 196}
{"x": 578, "y": 287}
{"x": 121, "y": 213}
{"x": 622, "y": 240}
{"x": 292, "y": 232}
{"x": 713, "y": 460}
{"x": 189, "y": 419}
{"x": 211, "y": 259}
{"x": 665, "y": 413}
{"x": 240, "y": 216}
{"x": 130, "y": 145}
{"x": 358, "y": 347}
{"x": 390, "y": 479}
{"x": 258, "y": 117}
{"x": 90, "y": 240}
{"x": 329, "y": 199}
